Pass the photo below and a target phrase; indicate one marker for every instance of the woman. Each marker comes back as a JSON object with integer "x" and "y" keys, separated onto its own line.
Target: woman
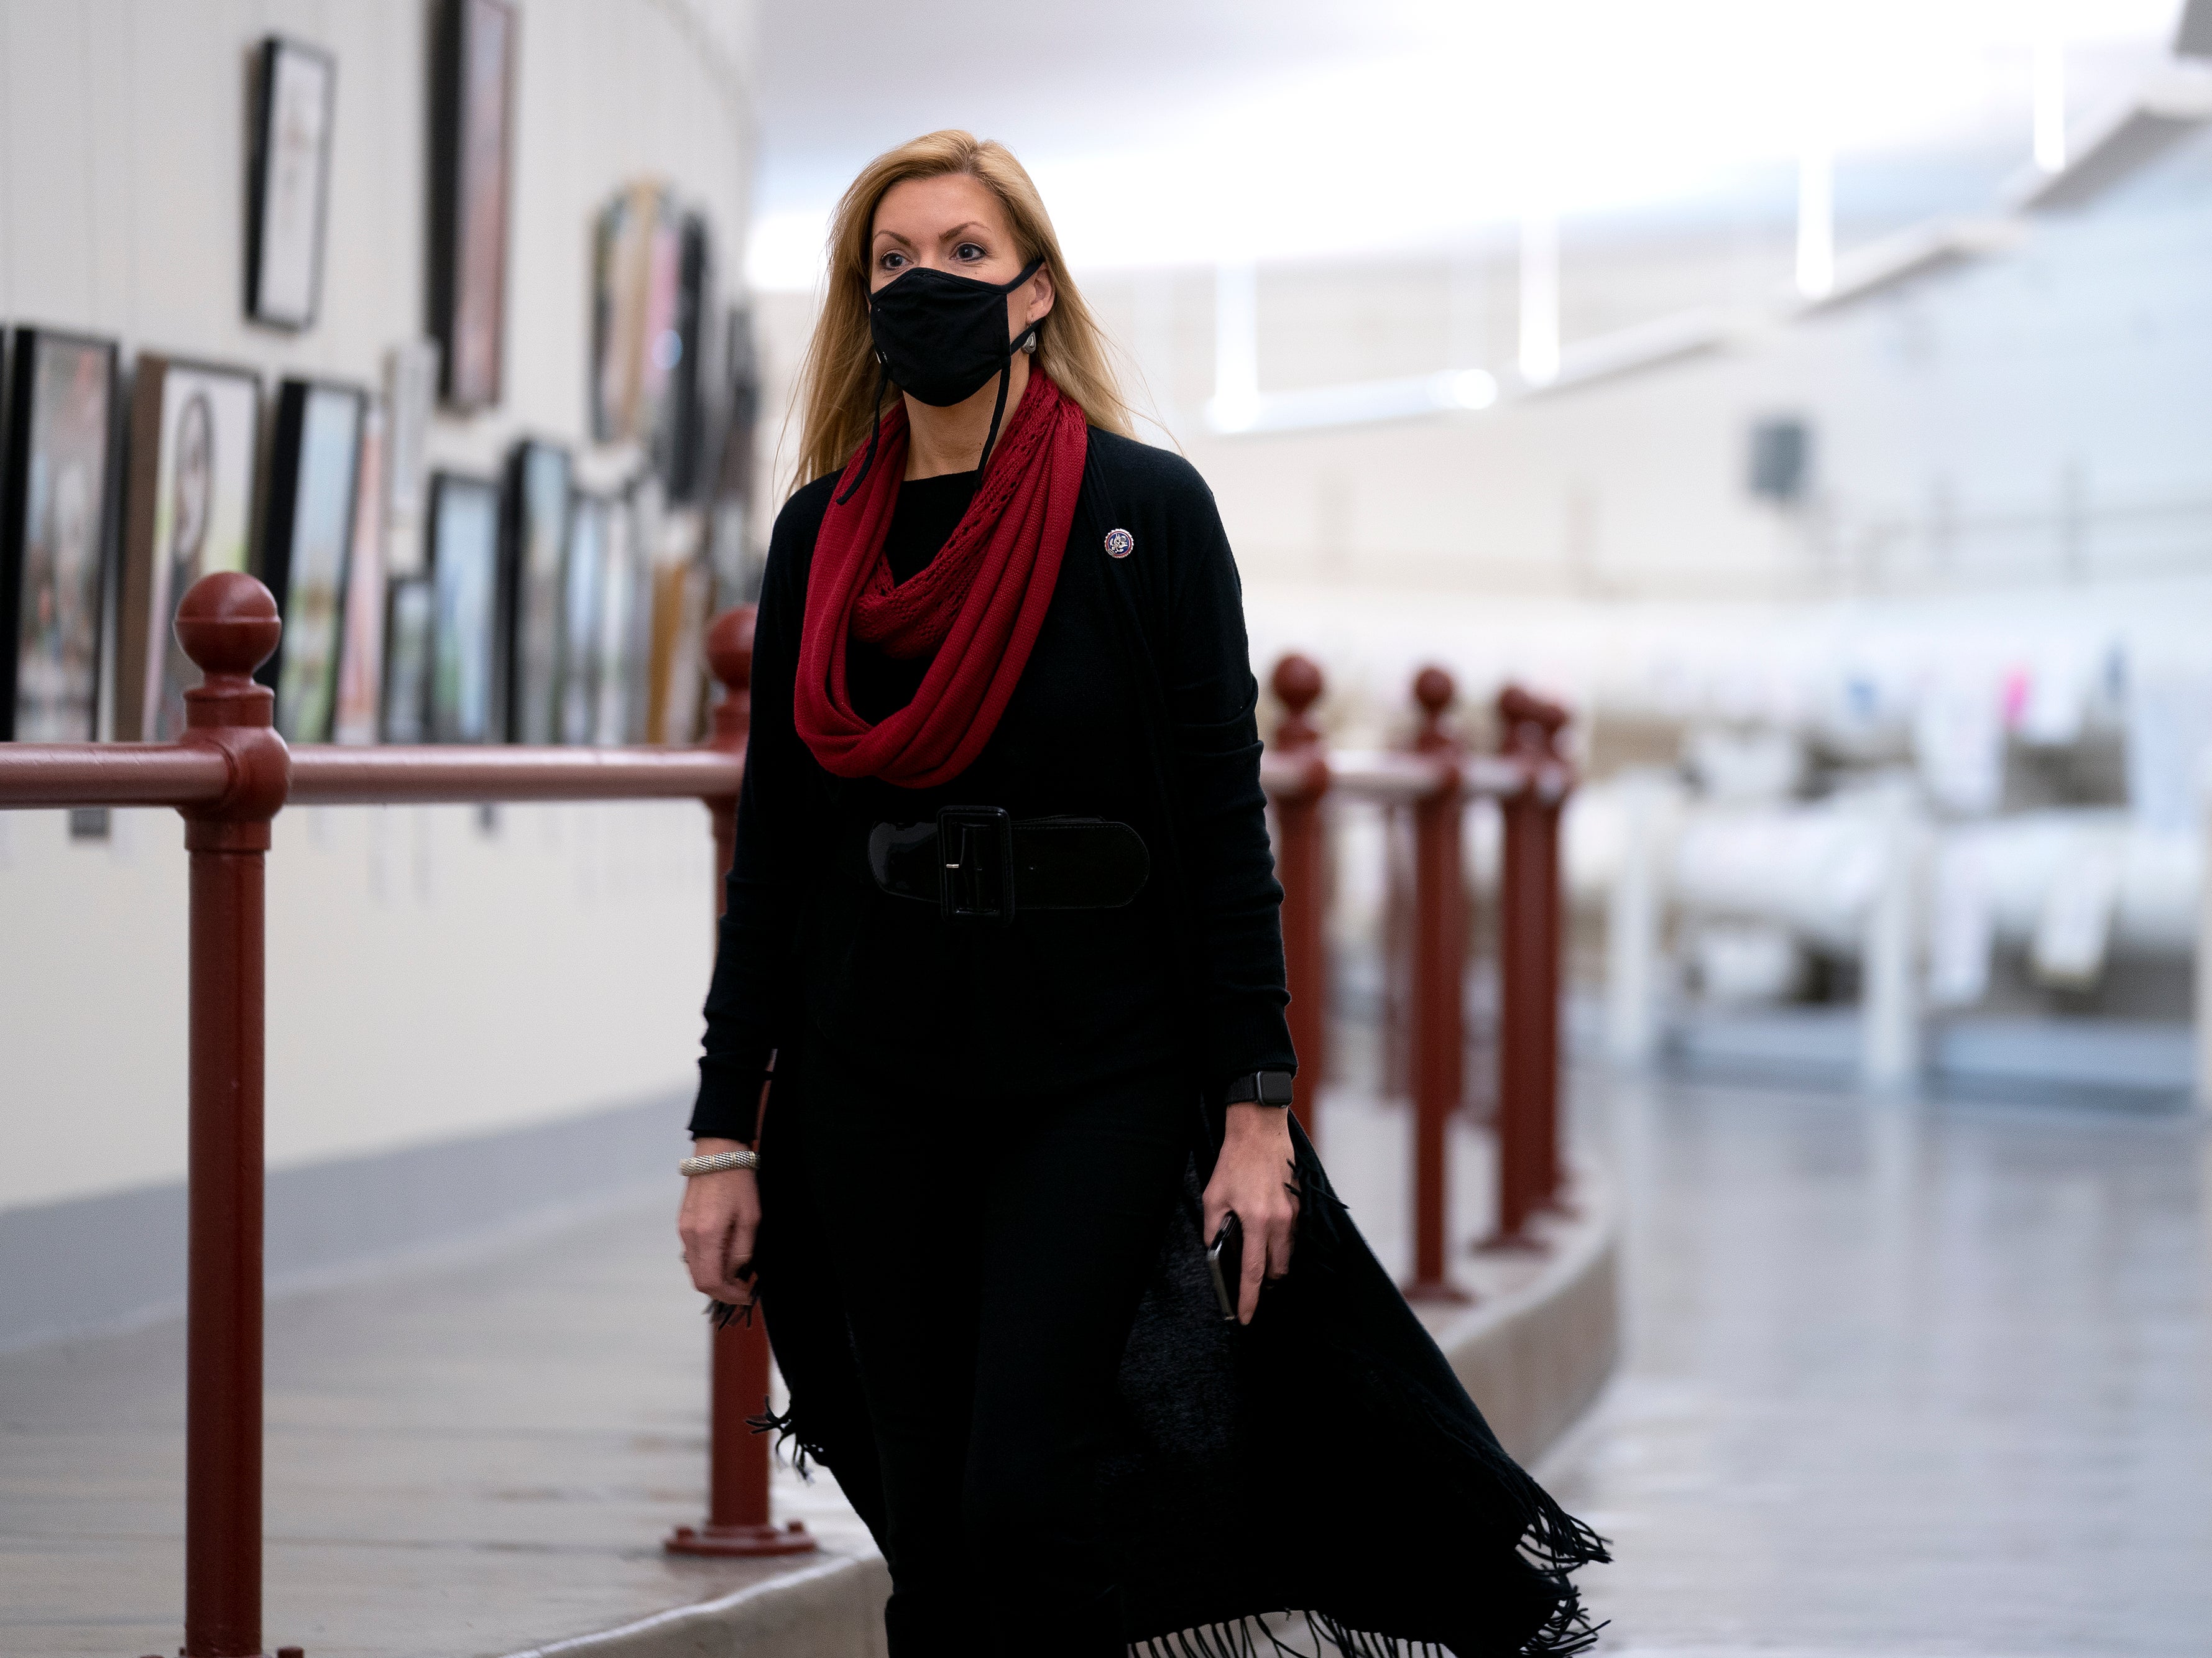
{"x": 1004, "y": 922}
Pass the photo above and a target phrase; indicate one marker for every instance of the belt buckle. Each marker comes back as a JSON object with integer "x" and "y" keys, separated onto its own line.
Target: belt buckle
{"x": 976, "y": 864}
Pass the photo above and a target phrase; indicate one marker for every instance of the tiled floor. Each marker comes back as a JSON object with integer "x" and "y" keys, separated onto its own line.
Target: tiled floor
{"x": 1906, "y": 1381}
{"x": 472, "y": 1460}
{"x": 468, "y": 1461}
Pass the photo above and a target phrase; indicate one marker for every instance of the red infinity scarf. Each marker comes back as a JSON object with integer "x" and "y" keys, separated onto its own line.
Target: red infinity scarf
{"x": 979, "y": 602}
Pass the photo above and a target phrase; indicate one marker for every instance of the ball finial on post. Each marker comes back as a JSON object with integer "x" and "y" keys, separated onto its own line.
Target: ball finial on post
{"x": 1434, "y": 690}
{"x": 730, "y": 647}
{"x": 229, "y": 625}
{"x": 730, "y": 655}
{"x": 1528, "y": 724}
{"x": 1297, "y": 684}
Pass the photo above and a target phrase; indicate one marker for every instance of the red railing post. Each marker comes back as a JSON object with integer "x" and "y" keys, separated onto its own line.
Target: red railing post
{"x": 738, "y": 1459}
{"x": 1439, "y": 980}
{"x": 1298, "y": 685}
{"x": 1528, "y": 945}
{"x": 227, "y": 625}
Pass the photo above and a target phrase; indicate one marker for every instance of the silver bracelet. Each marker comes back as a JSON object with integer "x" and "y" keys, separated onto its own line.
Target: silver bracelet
{"x": 715, "y": 1163}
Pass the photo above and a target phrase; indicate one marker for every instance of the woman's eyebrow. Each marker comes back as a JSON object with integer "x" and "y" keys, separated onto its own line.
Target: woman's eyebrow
{"x": 970, "y": 224}
{"x": 895, "y": 236}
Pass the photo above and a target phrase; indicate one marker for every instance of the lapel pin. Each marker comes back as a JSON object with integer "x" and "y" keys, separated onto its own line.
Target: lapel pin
{"x": 1120, "y": 544}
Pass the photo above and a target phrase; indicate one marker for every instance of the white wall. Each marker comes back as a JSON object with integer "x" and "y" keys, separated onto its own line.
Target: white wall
{"x": 426, "y": 979}
{"x": 2037, "y": 418}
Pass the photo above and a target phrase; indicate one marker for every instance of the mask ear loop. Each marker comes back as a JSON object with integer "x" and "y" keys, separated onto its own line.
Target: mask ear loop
{"x": 1021, "y": 343}
{"x": 876, "y": 431}
{"x": 1024, "y": 341}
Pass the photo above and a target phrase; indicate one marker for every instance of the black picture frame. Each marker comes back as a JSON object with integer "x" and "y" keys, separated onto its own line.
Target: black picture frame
{"x": 540, "y": 482}
{"x": 408, "y": 617}
{"x": 471, "y": 177}
{"x": 56, "y": 549}
{"x": 466, "y": 674}
{"x": 192, "y": 497}
{"x": 583, "y": 578}
{"x": 625, "y": 645}
{"x": 306, "y": 546}
{"x": 737, "y": 573}
{"x": 683, "y": 435}
{"x": 289, "y": 183}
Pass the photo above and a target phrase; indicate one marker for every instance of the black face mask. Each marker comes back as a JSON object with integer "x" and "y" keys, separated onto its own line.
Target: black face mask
{"x": 939, "y": 337}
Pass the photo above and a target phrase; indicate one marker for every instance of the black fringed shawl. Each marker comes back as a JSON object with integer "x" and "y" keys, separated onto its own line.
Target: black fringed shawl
{"x": 1324, "y": 1458}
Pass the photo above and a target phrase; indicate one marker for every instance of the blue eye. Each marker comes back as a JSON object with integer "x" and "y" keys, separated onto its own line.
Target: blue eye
{"x": 893, "y": 261}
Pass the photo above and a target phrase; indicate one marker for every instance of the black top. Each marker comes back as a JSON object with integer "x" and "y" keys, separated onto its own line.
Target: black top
{"x": 922, "y": 521}
{"x": 1057, "y": 999}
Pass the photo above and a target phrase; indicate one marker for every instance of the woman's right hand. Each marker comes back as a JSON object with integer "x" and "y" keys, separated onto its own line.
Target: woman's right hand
{"x": 718, "y": 1221}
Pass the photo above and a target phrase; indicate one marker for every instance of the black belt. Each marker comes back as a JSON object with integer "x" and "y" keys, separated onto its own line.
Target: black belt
{"x": 976, "y": 863}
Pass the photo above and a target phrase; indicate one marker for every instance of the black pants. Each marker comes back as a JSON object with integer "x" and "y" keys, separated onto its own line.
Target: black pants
{"x": 992, "y": 1255}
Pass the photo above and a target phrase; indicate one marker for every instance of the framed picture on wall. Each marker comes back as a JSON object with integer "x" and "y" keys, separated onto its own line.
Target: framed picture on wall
{"x": 290, "y": 181}
{"x": 679, "y": 637}
{"x": 360, "y": 634}
{"x": 54, "y": 484}
{"x": 583, "y": 574}
{"x": 464, "y": 664}
{"x": 625, "y": 629}
{"x": 621, "y": 260}
{"x": 729, "y": 550}
{"x": 188, "y": 502}
{"x": 314, "y": 471}
{"x": 472, "y": 156}
{"x": 410, "y": 388}
{"x": 684, "y": 424}
{"x": 538, "y": 489}
{"x": 407, "y": 619}
{"x": 653, "y": 269}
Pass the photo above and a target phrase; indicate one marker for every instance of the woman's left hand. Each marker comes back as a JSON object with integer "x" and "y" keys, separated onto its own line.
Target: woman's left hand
{"x": 1257, "y": 1176}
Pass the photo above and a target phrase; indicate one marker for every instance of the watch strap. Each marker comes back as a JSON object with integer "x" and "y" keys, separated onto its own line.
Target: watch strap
{"x": 1259, "y": 1088}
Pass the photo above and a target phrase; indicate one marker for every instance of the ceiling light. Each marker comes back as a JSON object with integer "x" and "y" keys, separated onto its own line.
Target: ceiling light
{"x": 1471, "y": 388}
{"x": 1816, "y": 222}
{"x": 1539, "y": 297}
{"x": 2049, "y": 90}
{"x": 2111, "y": 149}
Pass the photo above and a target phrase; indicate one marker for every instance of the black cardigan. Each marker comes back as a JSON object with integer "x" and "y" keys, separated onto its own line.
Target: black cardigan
{"x": 1060, "y": 998}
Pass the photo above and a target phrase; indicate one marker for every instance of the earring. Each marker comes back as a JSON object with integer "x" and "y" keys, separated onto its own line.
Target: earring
{"x": 1029, "y": 344}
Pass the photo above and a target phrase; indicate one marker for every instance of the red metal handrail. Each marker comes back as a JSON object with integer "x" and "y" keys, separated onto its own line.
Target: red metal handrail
{"x": 1301, "y": 779}
{"x": 396, "y": 776}
{"x": 1529, "y": 941}
{"x": 1530, "y": 780}
{"x": 229, "y": 774}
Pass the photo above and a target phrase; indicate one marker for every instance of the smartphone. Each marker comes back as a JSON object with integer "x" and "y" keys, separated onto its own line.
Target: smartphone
{"x": 1225, "y": 1258}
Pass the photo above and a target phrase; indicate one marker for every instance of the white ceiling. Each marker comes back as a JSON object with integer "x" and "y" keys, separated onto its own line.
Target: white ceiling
{"x": 1185, "y": 131}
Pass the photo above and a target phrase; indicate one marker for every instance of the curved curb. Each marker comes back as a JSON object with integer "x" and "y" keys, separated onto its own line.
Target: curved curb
{"x": 831, "y": 1609}
{"x": 1535, "y": 1359}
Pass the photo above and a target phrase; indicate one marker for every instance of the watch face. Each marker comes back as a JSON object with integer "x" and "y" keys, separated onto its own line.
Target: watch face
{"x": 1275, "y": 1088}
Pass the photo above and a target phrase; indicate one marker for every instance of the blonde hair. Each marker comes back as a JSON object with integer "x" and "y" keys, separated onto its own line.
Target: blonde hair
{"x": 840, "y": 373}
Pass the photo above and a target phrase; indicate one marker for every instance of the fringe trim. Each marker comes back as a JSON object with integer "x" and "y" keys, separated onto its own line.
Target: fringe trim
{"x": 787, "y": 1431}
{"x": 1567, "y": 1632}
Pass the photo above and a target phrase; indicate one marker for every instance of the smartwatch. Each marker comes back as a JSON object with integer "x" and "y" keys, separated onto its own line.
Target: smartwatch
{"x": 1258, "y": 1087}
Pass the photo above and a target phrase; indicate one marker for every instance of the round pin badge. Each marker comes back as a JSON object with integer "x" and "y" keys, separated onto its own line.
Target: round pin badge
{"x": 1120, "y": 544}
